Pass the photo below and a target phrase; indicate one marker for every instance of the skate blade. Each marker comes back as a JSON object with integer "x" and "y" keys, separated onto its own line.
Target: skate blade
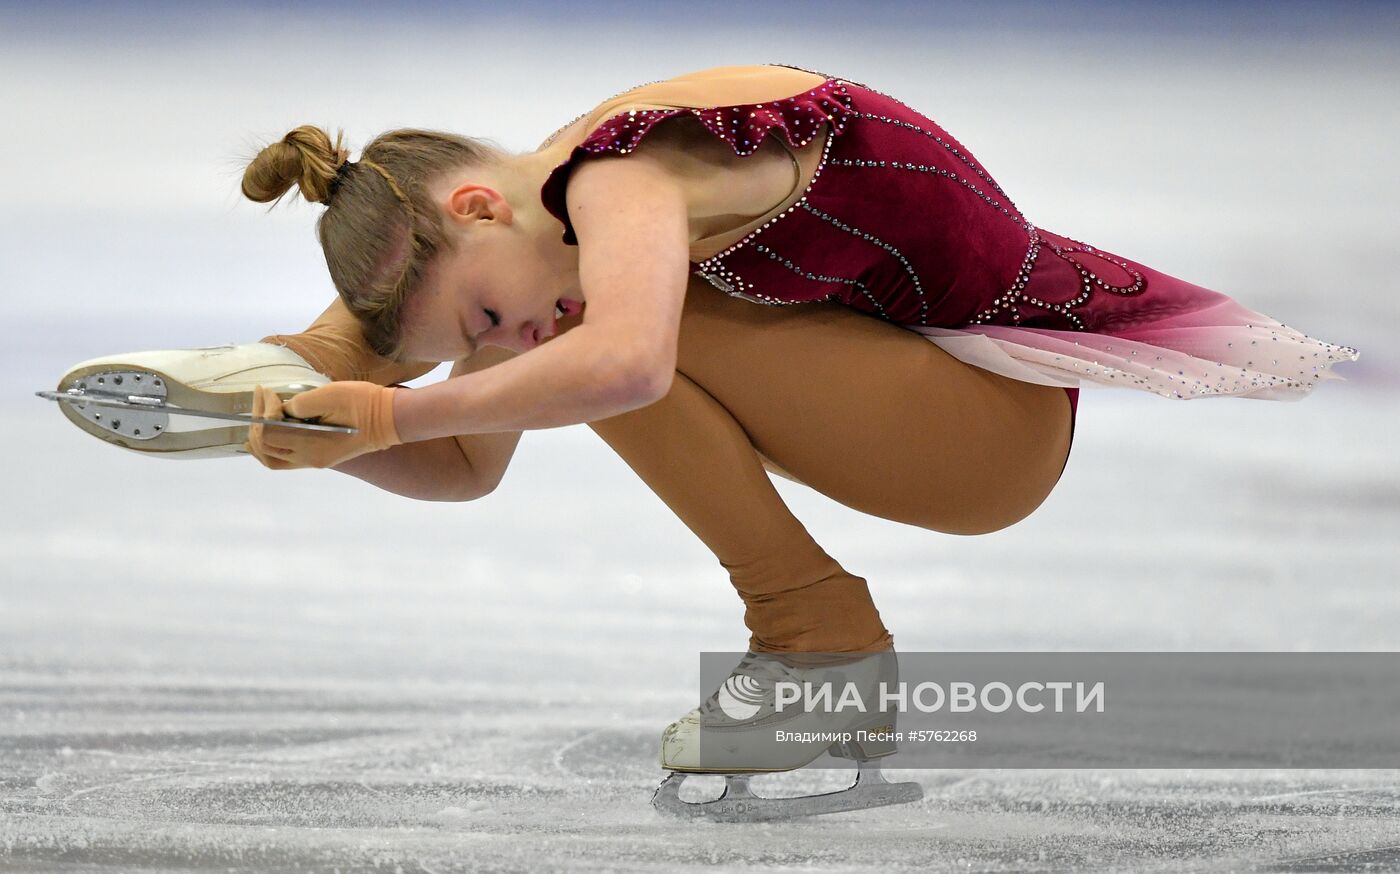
{"x": 145, "y": 426}
{"x": 737, "y": 803}
{"x": 156, "y": 409}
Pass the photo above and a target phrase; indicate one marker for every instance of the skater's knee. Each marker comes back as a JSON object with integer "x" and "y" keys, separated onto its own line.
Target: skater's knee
{"x": 988, "y": 514}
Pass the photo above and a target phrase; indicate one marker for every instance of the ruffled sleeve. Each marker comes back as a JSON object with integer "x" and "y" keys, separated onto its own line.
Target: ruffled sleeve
{"x": 799, "y": 119}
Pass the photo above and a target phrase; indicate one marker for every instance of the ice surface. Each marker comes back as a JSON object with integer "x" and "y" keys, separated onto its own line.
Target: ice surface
{"x": 317, "y": 674}
{"x": 214, "y": 667}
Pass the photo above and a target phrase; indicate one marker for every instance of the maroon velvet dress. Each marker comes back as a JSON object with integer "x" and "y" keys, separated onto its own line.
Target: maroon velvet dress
{"x": 904, "y": 223}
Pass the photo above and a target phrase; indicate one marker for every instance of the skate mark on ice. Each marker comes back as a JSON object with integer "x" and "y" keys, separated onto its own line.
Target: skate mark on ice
{"x": 564, "y": 750}
{"x": 1385, "y": 858}
{"x": 607, "y": 754}
{"x": 154, "y": 759}
{"x": 364, "y": 784}
{"x": 119, "y": 784}
{"x": 1377, "y": 790}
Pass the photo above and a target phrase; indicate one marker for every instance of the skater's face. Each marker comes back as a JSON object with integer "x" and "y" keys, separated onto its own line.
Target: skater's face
{"x": 497, "y": 285}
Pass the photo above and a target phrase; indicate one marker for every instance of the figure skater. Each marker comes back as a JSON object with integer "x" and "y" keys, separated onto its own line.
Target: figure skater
{"x": 732, "y": 270}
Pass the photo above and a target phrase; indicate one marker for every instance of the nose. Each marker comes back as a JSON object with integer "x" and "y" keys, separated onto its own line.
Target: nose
{"x": 534, "y": 334}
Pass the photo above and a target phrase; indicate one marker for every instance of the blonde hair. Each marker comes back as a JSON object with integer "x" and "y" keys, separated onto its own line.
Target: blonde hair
{"x": 380, "y": 229}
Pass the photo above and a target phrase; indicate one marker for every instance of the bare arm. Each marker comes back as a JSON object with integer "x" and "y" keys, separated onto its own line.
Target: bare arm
{"x": 451, "y": 468}
{"x": 488, "y": 455}
{"x": 430, "y": 470}
{"x": 456, "y": 468}
{"x": 630, "y": 216}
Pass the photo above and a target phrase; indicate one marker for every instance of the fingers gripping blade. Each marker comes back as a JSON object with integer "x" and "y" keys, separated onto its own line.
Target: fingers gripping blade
{"x": 146, "y": 414}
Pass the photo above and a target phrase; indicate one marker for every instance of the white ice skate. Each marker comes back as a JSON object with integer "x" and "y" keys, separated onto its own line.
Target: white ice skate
{"x": 741, "y": 731}
{"x": 183, "y": 403}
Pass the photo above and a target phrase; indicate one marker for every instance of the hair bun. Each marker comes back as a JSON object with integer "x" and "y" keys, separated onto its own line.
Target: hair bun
{"x": 305, "y": 157}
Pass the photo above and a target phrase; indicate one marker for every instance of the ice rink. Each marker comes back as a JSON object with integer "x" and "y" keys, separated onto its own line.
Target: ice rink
{"x": 210, "y": 666}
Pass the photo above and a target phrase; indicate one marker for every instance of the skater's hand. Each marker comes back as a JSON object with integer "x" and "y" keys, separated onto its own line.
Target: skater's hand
{"x": 362, "y": 405}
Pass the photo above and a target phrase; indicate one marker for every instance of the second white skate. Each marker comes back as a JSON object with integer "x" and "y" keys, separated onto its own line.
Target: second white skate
{"x": 740, "y": 731}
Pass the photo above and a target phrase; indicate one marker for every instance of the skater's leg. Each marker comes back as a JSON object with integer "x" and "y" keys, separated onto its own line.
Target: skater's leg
{"x": 875, "y": 416}
{"x": 335, "y": 346}
{"x": 696, "y": 457}
{"x": 831, "y": 396}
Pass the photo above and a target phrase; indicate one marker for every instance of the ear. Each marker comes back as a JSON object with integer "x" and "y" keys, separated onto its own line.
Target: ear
{"x": 472, "y": 202}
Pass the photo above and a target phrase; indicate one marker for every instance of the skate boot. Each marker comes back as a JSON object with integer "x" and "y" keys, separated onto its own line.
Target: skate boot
{"x": 753, "y": 724}
{"x": 214, "y": 379}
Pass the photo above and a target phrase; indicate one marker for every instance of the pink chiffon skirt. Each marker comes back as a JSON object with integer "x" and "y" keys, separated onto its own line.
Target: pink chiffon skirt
{"x": 1175, "y": 339}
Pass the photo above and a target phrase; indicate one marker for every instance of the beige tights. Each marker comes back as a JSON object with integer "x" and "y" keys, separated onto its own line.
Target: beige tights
{"x": 865, "y": 412}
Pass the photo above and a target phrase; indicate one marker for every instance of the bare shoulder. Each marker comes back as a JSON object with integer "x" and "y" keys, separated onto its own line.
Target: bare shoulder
{"x": 616, "y": 190}
{"x": 629, "y": 213}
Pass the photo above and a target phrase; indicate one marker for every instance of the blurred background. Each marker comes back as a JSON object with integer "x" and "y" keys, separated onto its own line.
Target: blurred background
{"x": 211, "y": 660}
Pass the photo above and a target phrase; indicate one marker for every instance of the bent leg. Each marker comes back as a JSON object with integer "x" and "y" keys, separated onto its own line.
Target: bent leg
{"x": 868, "y": 413}
{"x": 875, "y": 416}
{"x": 689, "y": 450}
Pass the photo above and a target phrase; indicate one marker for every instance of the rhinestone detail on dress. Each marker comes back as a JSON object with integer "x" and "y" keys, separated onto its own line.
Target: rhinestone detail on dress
{"x": 899, "y": 256}
{"x": 713, "y": 268}
{"x": 947, "y": 145}
{"x": 555, "y": 135}
{"x": 1247, "y": 379}
{"x": 1013, "y": 298}
{"x": 800, "y": 118}
{"x": 936, "y": 171}
{"x": 817, "y": 277}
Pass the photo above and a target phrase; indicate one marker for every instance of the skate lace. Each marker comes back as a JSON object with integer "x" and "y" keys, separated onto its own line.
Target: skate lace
{"x": 766, "y": 669}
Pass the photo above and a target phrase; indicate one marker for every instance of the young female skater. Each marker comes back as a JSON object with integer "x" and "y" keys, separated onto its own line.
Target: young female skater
{"x": 734, "y": 269}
